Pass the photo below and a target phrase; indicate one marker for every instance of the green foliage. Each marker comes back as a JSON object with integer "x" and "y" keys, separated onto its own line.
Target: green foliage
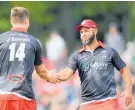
{"x": 39, "y": 11}
{"x": 45, "y": 13}
{"x": 4, "y": 24}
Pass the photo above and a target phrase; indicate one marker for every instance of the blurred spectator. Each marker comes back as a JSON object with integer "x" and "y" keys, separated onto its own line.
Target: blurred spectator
{"x": 114, "y": 39}
{"x": 129, "y": 54}
{"x": 56, "y": 49}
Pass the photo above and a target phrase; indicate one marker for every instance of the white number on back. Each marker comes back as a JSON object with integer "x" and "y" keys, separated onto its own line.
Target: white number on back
{"x": 17, "y": 54}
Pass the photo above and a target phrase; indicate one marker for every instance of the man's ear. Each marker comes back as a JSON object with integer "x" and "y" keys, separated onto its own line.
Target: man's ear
{"x": 95, "y": 31}
{"x": 25, "y": 21}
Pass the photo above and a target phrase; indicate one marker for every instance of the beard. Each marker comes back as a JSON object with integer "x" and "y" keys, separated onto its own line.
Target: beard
{"x": 89, "y": 41}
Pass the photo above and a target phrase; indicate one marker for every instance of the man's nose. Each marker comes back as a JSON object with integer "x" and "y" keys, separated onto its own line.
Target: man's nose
{"x": 83, "y": 35}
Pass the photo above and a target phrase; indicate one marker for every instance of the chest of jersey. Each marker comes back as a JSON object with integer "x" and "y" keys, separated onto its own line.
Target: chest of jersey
{"x": 96, "y": 61}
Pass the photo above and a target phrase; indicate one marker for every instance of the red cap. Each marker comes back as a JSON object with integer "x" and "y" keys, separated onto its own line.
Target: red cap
{"x": 86, "y": 23}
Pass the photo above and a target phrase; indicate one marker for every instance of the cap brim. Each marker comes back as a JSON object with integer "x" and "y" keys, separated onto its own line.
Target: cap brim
{"x": 80, "y": 26}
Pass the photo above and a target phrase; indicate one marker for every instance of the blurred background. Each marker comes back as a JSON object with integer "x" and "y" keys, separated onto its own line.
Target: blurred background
{"x": 53, "y": 24}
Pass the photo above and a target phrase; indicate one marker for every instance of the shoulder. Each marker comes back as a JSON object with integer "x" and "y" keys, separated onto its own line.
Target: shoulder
{"x": 4, "y": 36}
{"x": 34, "y": 39}
{"x": 111, "y": 50}
{"x": 31, "y": 37}
{"x": 75, "y": 54}
{"x": 4, "y": 33}
{"x": 108, "y": 48}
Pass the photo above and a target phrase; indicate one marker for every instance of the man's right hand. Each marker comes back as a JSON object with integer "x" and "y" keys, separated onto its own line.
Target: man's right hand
{"x": 49, "y": 76}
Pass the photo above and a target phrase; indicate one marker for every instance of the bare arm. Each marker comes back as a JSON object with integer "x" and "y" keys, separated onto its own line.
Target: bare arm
{"x": 65, "y": 74}
{"x": 45, "y": 74}
{"x": 126, "y": 75}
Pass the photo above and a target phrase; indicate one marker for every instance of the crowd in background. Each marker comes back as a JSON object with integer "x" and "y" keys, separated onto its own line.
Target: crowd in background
{"x": 66, "y": 95}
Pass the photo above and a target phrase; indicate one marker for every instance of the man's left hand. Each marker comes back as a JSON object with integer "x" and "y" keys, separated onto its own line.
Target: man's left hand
{"x": 128, "y": 97}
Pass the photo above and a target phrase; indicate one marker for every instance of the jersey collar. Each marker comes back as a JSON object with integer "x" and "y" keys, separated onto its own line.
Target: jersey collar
{"x": 99, "y": 44}
{"x": 19, "y": 29}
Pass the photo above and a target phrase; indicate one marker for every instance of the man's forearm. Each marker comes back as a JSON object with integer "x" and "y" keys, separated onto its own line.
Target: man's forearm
{"x": 65, "y": 74}
{"x": 126, "y": 75}
{"x": 43, "y": 72}
{"x": 44, "y": 75}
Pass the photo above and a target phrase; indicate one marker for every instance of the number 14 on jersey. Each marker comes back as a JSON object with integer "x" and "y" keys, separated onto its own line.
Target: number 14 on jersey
{"x": 17, "y": 53}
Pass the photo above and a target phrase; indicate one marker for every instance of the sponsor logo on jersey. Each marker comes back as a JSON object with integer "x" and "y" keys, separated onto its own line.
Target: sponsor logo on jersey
{"x": 17, "y": 77}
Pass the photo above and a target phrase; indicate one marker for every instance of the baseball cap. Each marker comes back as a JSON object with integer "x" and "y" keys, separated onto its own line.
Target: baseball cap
{"x": 86, "y": 23}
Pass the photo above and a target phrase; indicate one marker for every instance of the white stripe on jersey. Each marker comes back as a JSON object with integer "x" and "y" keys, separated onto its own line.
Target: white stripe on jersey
{"x": 94, "y": 101}
{"x": 4, "y": 92}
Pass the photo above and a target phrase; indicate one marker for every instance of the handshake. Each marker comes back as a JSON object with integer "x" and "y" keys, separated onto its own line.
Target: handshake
{"x": 54, "y": 77}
